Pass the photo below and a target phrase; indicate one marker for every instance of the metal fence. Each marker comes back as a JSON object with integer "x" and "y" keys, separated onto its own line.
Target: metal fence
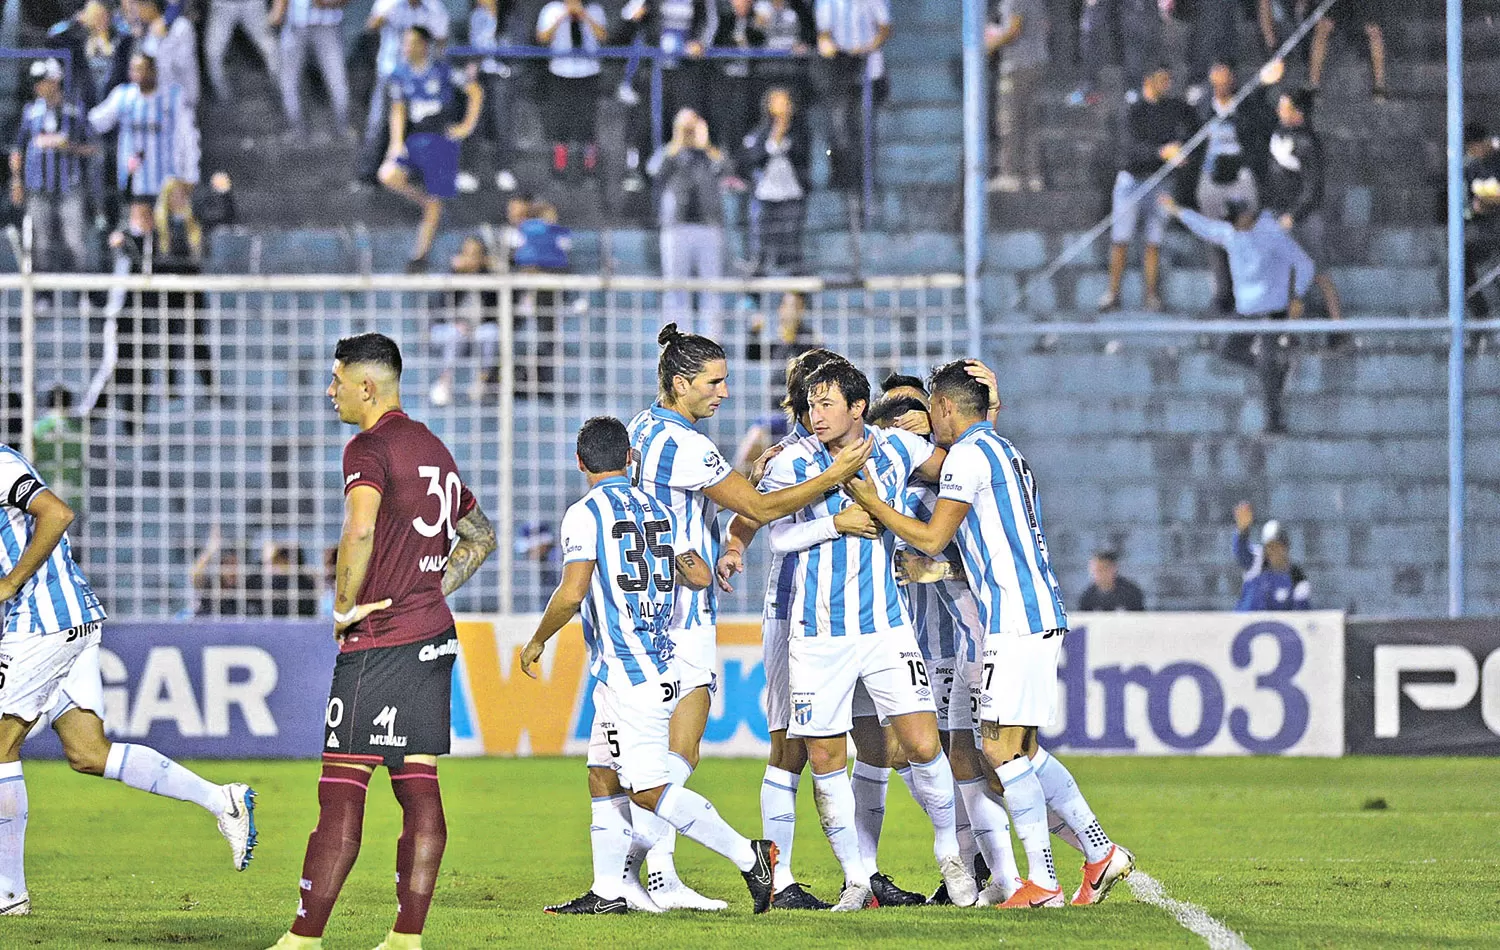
{"x": 207, "y": 472}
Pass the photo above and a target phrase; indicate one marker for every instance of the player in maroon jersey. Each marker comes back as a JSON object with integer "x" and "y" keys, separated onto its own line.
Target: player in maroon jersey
{"x": 404, "y": 508}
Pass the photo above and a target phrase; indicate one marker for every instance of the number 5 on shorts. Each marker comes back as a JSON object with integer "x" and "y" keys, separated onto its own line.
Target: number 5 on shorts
{"x": 612, "y": 737}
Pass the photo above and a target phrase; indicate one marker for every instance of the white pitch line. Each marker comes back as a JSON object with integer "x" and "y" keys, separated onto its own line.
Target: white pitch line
{"x": 1215, "y": 933}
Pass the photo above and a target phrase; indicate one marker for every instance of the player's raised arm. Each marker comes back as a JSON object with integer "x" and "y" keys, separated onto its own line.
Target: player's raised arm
{"x": 930, "y": 537}
{"x": 51, "y": 518}
{"x": 356, "y": 544}
{"x": 737, "y": 494}
{"x": 476, "y": 541}
{"x": 561, "y": 607}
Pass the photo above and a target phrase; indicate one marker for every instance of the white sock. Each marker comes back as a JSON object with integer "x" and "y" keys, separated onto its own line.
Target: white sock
{"x": 695, "y": 816}
{"x": 144, "y": 768}
{"x": 609, "y": 840}
{"x": 1064, "y": 798}
{"x": 991, "y": 833}
{"x": 932, "y": 786}
{"x": 1028, "y": 809}
{"x": 663, "y": 857}
{"x": 963, "y": 828}
{"x": 835, "y": 799}
{"x": 870, "y": 784}
{"x": 904, "y": 773}
{"x": 778, "y": 819}
{"x": 13, "y": 812}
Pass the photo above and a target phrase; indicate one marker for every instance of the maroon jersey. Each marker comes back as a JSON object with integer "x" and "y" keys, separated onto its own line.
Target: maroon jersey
{"x": 421, "y": 501}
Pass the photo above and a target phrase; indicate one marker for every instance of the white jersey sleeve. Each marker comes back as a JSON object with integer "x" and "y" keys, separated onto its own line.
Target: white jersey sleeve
{"x": 965, "y": 474}
{"x": 580, "y": 535}
{"x": 918, "y": 450}
{"x": 698, "y": 464}
{"x": 18, "y": 483}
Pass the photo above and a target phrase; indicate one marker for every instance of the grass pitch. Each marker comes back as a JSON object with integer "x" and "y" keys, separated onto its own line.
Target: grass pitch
{"x": 1290, "y": 853}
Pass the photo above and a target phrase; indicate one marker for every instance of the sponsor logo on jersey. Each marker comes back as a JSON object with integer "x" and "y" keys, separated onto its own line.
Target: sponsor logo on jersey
{"x": 911, "y": 655}
{"x": 433, "y": 563}
{"x": 352, "y": 479}
{"x": 432, "y": 650}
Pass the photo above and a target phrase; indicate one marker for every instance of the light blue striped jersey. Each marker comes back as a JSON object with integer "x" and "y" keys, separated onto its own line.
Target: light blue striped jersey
{"x": 944, "y": 614}
{"x": 781, "y": 579}
{"x": 57, "y": 597}
{"x": 848, "y": 585}
{"x": 1004, "y": 550}
{"x": 156, "y": 129}
{"x": 673, "y": 463}
{"x": 629, "y": 536}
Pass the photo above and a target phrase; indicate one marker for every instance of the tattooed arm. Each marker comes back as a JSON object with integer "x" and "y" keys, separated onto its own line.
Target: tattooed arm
{"x": 693, "y": 572}
{"x": 476, "y": 539}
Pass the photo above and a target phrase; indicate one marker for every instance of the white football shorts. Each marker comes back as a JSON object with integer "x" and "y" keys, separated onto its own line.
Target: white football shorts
{"x": 35, "y": 667}
{"x": 774, "y": 634}
{"x": 824, "y": 670}
{"x": 631, "y": 726}
{"x": 696, "y": 652}
{"x": 1020, "y": 679}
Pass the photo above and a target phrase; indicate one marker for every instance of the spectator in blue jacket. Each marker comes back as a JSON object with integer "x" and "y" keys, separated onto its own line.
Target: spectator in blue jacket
{"x": 1272, "y": 581}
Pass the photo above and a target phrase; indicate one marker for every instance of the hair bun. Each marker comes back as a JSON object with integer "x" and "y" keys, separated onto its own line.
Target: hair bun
{"x": 668, "y": 334}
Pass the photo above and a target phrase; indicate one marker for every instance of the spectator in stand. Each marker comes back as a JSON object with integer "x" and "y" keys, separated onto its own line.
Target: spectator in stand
{"x": 391, "y": 19}
{"x": 434, "y": 107}
{"x": 1155, "y": 126}
{"x": 219, "y": 591}
{"x": 1124, "y": 31}
{"x": 538, "y": 245}
{"x": 1293, "y": 186}
{"x": 223, "y": 17}
{"x": 735, "y": 105}
{"x": 46, "y": 170}
{"x": 1108, "y": 592}
{"x": 319, "y": 25}
{"x": 691, "y": 216}
{"x": 851, "y": 34}
{"x": 487, "y": 30}
{"x": 178, "y": 248}
{"x": 777, "y": 154}
{"x": 1019, "y": 37}
{"x": 1271, "y": 273}
{"x": 158, "y": 138}
{"x": 1234, "y": 157}
{"x": 1213, "y": 28}
{"x": 173, "y": 44}
{"x": 1368, "y": 15}
{"x": 100, "y": 56}
{"x": 466, "y": 315}
{"x": 681, "y": 30}
{"x": 575, "y": 32}
{"x": 1481, "y": 212}
{"x": 282, "y": 587}
{"x": 788, "y": 28}
{"x": 1272, "y": 581}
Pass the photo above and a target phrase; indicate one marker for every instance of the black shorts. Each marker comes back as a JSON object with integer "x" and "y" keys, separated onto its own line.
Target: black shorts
{"x": 392, "y": 702}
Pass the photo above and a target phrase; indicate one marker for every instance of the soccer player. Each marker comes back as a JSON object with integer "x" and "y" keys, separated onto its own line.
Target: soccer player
{"x": 424, "y": 139}
{"x": 49, "y": 665}
{"x": 681, "y": 467}
{"x": 404, "y": 507}
{"x": 778, "y": 791}
{"x": 987, "y": 500}
{"x": 851, "y": 627}
{"x": 620, "y": 563}
{"x": 946, "y": 619}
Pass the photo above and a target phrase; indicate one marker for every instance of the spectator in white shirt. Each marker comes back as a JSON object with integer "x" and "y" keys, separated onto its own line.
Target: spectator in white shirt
{"x": 574, "y": 31}
{"x": 850, "y": 36}
{"x": 174, "y": 47}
